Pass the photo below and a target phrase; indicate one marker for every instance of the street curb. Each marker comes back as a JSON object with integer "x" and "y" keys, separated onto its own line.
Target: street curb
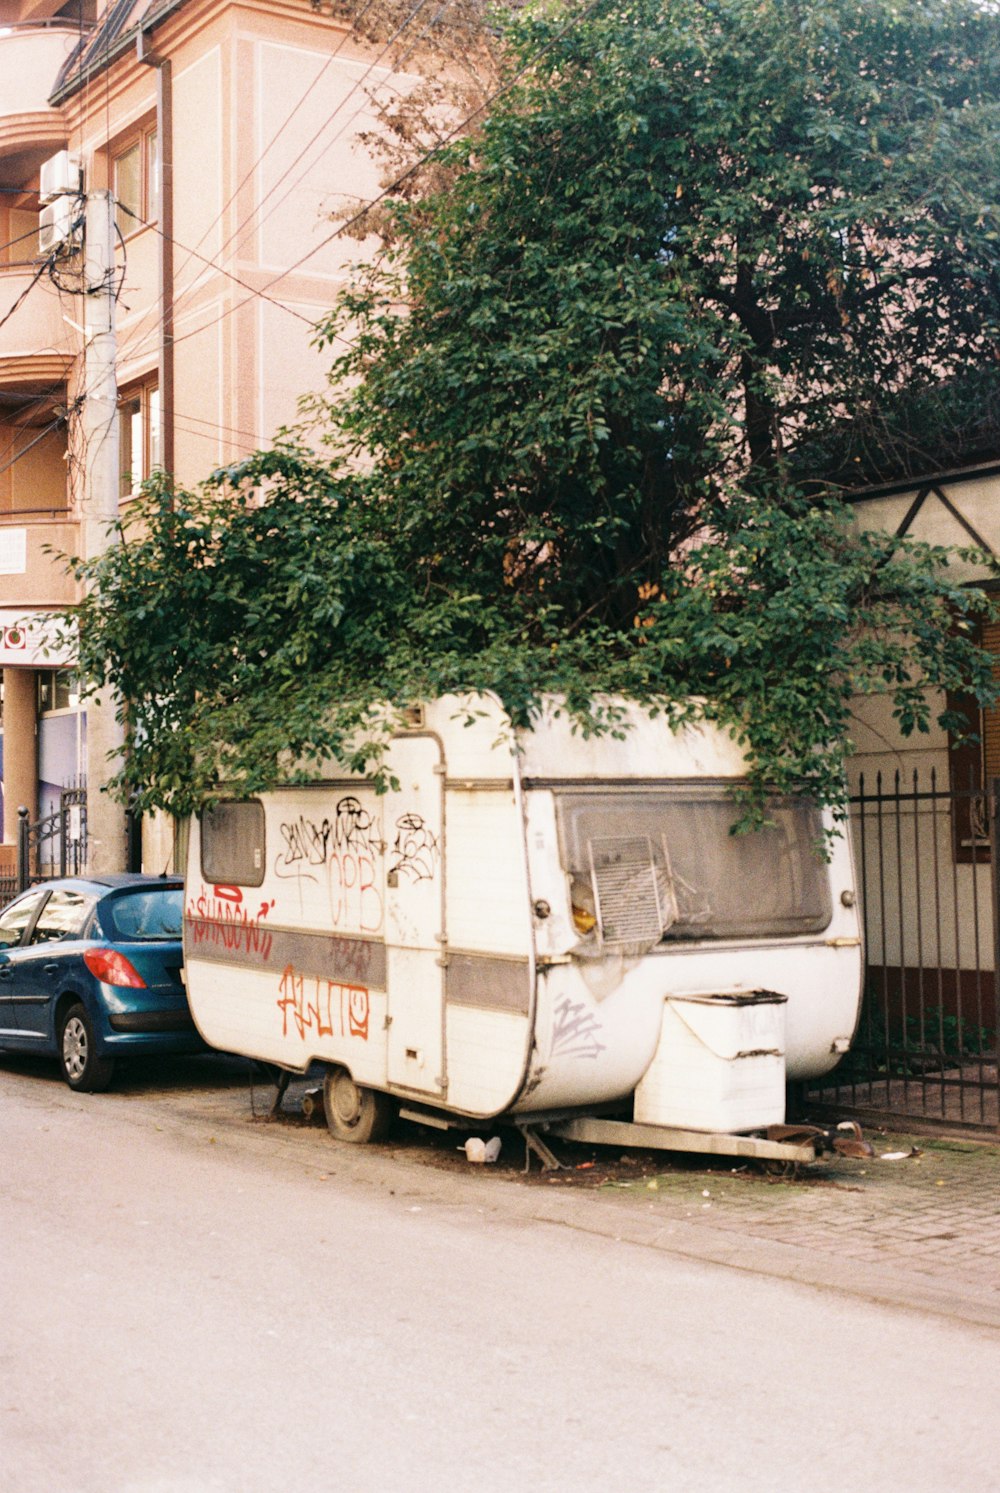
{"x": 886, "y": 1285}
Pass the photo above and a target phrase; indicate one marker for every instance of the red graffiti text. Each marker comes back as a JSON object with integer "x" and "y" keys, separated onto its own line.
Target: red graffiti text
{"x": 219, "y": 917}
{"x": 326, "y": 1008}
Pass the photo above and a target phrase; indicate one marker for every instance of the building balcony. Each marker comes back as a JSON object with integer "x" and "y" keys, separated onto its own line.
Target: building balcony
{"x": 31, "y": 56}
{"x": 30, "y": 575}
{"x": 37, "y": 347}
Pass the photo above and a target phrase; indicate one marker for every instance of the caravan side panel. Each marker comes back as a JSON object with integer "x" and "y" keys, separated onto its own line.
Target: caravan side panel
{"x": 284, "y": 930}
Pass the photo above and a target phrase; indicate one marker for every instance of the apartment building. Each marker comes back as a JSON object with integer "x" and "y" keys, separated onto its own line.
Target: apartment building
{"x": 229, "y": 133}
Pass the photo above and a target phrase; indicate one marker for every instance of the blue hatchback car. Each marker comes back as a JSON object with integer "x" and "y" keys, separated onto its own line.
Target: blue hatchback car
{"x": 90, "y": 971}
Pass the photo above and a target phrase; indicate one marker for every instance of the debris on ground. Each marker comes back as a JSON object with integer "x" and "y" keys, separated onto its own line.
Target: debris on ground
{"x": 481, "y": 1151}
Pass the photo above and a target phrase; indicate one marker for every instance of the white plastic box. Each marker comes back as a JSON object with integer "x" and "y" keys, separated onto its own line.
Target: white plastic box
{"x": 719, "y": 1064}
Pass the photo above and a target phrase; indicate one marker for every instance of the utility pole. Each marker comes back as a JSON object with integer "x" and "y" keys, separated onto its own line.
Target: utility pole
{"x": 101, "y": 478}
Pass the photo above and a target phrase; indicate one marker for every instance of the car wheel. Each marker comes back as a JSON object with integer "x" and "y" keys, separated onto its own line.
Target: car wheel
{"x": 353, "y": 1112}
{"x": 78, "y": 1059}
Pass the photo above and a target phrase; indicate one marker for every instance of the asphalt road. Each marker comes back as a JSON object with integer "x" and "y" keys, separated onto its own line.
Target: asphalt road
{"x": 194, "y": 1303}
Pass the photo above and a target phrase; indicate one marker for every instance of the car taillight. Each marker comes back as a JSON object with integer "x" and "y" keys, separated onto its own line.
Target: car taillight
{"x": 113, "y": 968}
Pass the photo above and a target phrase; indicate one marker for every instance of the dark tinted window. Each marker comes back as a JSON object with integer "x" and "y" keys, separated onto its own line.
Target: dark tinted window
{"x": 63, "y": 916}
{"x": 232, "y": 844}
{"x": 147, "y": 913}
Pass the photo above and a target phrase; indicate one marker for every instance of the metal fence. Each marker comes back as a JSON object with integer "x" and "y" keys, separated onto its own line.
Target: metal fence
{"x": 926, "y": 1047}
{"x": 55, "y": 845}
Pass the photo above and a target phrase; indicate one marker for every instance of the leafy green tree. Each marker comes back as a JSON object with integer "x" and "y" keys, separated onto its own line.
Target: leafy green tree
{"x": 566, "y": 448}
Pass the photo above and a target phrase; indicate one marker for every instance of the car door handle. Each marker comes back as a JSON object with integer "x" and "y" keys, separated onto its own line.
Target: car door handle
{"x": 50, "y": 969}
{"x": 6, "y": 972}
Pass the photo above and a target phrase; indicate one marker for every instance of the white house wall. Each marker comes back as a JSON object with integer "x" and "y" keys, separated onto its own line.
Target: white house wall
{"x": 922, "y": 909}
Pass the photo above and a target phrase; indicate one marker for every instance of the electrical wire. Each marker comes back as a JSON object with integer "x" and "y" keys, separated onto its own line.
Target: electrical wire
{"x": 287, "y": 121}
{"x": 238, "y": 230}
{"x": 155, "y": 309}
{"x": 39, "y": 272}
{"x": 12, "y": 243}
{"x": 136, "y": 348}
{"x": 404, "y": 176}
{"x": 213, "y": 425}
{"x": 212, "y": 265}
{"x": 344, "y": 227}
{"x": 61, "y": 419}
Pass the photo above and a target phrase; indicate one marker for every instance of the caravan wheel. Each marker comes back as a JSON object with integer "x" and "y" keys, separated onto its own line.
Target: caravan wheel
{"x": 352, "y": 1112}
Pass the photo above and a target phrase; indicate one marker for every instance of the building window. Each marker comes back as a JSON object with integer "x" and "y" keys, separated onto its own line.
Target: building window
{"x": 57, "y": 690}
{"x": 974, "y": 764}
{"x": 138, "y": 438}
{"x": 135, "y": 179}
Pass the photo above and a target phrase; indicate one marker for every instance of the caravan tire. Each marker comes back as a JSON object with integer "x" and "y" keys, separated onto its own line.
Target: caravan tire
{"x": 353, "y": 1112}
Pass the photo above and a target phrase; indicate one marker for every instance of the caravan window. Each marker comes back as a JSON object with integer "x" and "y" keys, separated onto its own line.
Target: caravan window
{"x": 652, "y": 865}
{"x": 232, "y": 844}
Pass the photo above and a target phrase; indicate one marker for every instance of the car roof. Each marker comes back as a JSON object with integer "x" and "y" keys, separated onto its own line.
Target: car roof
{"x": 111, "y": 881}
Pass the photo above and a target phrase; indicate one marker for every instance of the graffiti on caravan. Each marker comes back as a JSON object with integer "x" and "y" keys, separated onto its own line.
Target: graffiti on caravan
{"x": 325, "y": 1008}
{"x": 219, "y": 917}
{"x": 415, "y": 849}
{"x": 339, "y": 854}
{"x": 575, "y": 1031}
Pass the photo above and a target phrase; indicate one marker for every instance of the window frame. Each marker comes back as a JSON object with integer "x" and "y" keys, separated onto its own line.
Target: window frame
{"x": 61, "y": 682}
{"x": 968, "y": 762}
{"x": 35, "y": 898}
{"x": 138, "y": 407}
{"x": 55, "y": 898}
{"x": 209, "y": 874}
{"x": 146, "y": 208}
{"x": 642, "y": 809}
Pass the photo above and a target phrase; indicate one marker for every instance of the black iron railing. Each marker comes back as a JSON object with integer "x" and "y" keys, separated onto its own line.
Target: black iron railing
{"x": 926, "y": 1046}
{"x": 55, "y": 845}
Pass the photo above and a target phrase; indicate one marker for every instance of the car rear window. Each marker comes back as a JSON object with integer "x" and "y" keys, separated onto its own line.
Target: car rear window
{"x": 147, "y": 913}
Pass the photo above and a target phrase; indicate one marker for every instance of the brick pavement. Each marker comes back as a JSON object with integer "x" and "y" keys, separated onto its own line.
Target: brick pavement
{"x": 921, "y": 1231}
{"x": 924, "y": 1231}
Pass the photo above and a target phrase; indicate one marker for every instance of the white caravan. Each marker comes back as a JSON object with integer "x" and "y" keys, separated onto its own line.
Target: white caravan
{"x": 530, "y": 926}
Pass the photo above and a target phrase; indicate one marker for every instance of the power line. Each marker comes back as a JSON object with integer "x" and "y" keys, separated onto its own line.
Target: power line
{"x": 212, "y": 265}
{"x": 192, "y": 253}
{"x": 62, "y": 419}
{"x": 287, "y": 121}
{"x": 328, "y": 121}
{"x": 213, "y": 425}
{"x": 32, "y": 233}
{"x": 404, "y": 176}
{"x": 39, "y": 272}
{"x": 344, "y": 227}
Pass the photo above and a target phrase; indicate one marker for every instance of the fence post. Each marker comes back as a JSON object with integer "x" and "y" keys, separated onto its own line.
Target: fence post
{"x": 23, "y": 867}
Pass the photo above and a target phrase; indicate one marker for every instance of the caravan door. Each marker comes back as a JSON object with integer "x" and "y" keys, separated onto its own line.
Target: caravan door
{"x": 414, "y": 916}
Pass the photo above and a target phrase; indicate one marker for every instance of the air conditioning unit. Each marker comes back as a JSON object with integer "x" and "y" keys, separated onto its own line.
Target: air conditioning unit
{"x": 56, "y": 225}
{"x": 61, "y": 176}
